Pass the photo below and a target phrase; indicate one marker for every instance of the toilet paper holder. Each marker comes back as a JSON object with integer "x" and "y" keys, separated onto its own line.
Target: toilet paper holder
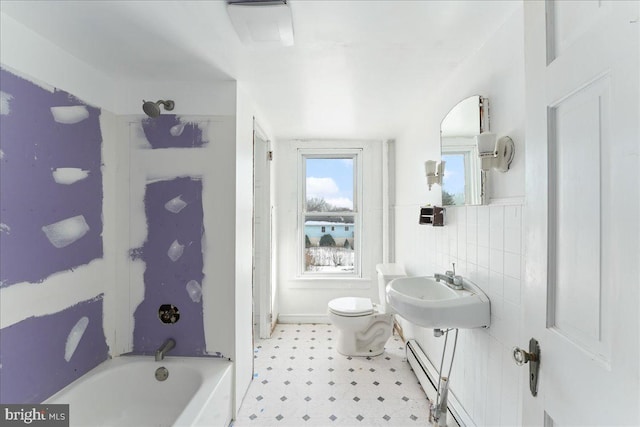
{"x": 433, "y": 215}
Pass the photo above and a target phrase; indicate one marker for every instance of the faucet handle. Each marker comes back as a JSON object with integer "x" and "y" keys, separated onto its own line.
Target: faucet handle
{"x": 457, "y": 280}
{"x": 449, "y": 273}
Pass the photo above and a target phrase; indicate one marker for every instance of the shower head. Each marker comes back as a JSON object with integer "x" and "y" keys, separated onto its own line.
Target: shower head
{"x": 152, "y": 109}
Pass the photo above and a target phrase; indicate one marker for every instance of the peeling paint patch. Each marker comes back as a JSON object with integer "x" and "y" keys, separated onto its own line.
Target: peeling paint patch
{"x": 34, "y": 144}
{"x": 65, "y": 232}
{"x": 177, "y": 129}
{"x": 68, "y": 176}
{"x": 172, "y": 131}
{"x": 194, "y": 290}
{"x": 70, "y": 115}
{"x": 74, "y": 337}
{"x": 175, "y": 251}
{"x": 175, "y": 205}
{"x": 167, "y": 273}
{"x": 32, "y": 352}
{"x": 5, "y": 103}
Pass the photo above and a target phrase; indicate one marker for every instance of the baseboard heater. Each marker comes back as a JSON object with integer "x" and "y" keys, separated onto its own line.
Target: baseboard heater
{"x": 428, "y": 377}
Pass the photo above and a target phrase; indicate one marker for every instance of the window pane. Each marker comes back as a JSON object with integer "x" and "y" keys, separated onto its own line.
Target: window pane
{"x": 329, "y": 251}
{"x": 329, "y": 185}
{"x": 454, "y": 180}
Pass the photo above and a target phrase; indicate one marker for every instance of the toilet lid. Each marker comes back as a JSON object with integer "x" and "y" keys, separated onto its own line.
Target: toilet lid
{"x": 351, "y": 306}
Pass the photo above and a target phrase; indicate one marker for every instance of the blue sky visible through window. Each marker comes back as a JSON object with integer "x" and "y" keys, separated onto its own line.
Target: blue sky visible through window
{"x": 453, "y": 181}
{"x": 331, "y": 180}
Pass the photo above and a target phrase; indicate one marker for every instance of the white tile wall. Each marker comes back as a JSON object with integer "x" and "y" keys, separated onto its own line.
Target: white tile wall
{"x": 485, "y": 242}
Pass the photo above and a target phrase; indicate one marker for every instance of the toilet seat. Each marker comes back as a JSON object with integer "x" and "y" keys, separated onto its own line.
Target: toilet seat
{"x": 351, "y": 306}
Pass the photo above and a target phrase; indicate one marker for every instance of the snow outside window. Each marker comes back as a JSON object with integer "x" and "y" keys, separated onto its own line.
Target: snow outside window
{"x": 330, "y": 209}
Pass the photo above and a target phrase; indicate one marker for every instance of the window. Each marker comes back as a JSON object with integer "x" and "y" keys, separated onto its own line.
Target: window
{"x": 455, "y": 178}
{"x": 462, "y": 175}
{"x": 329, "y": 200}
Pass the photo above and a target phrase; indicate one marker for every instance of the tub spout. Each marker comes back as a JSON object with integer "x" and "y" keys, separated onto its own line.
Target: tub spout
{"x": 164, "y": 348}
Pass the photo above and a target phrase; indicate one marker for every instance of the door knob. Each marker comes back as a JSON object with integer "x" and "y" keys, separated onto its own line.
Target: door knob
{"x": 532, "y": 357}
{"x": 521, "y": 357}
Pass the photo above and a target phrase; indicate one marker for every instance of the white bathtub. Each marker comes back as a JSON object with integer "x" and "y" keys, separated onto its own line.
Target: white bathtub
{"x": 124, "y": 392}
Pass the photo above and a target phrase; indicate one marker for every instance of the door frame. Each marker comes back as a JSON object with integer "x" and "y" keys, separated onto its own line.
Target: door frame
{"x": 262, "y": 233}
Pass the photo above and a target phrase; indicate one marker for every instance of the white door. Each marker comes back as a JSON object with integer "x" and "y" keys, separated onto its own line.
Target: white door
{"x": 261, "y": 235}
{"x": 582, "y": 292}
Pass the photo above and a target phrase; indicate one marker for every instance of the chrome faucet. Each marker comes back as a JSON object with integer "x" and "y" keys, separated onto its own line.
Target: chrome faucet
{"x": 164, "y": 348}
{"x": 450, "y": 278}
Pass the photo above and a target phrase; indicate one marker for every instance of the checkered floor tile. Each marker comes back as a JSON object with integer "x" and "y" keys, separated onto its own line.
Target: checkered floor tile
{"x": 301, "y": 380}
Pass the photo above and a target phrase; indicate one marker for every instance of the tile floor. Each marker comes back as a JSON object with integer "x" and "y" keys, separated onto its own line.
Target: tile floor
{"x": 301, "y": 380}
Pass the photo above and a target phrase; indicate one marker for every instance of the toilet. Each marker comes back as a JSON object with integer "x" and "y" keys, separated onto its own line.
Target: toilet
{"x": 363, "y": 326}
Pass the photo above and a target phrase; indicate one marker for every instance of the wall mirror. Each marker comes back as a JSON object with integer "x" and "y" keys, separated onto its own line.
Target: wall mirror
{"x": 464, "y": 182}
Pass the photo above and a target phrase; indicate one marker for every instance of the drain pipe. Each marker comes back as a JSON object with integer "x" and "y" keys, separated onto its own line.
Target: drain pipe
{"x": 441, "y": 409}
{"x": 438, "y": 410}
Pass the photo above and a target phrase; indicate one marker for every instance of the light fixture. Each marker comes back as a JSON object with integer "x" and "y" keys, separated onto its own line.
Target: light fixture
{"x": 494, "y": 153}
{"x": 262, "y": 22}
{"x": 434, "y": 171}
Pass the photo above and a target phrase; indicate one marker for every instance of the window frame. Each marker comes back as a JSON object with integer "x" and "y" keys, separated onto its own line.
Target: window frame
{"x": 472, "y": 171}
{"x": 303, "y": 215}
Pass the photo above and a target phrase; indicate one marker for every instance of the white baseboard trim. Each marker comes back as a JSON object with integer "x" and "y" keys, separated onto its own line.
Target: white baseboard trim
{"x": 303, "y": 318}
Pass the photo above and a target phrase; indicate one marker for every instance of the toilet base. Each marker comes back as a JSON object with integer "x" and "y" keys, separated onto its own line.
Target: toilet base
{"x": 367, "y": 342}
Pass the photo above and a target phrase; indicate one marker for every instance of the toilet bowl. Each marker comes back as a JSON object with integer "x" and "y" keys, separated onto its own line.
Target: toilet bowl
{"x": 364, "y": 327}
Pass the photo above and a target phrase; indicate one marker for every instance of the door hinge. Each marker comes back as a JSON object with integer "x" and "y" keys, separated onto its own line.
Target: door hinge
{"x": 269, "y": 155}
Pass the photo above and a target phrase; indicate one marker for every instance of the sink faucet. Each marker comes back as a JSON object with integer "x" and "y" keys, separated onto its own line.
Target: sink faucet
{"x": 164, "y": 348}
{"x": 450, "y": 278}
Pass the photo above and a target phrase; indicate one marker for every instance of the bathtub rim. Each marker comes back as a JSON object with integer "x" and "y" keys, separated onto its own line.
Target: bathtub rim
{"x": 214, "y": 372}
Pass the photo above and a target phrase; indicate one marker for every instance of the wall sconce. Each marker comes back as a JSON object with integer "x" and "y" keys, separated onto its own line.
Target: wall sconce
{"x": 434, "y": 171}
{"x": 495, "y": 153}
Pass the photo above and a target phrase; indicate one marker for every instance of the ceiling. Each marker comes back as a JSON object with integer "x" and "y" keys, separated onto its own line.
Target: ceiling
{"x": 358, "y": 69}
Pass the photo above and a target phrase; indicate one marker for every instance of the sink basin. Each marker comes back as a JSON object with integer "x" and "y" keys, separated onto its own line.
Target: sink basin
{"x": 432, "y": 304}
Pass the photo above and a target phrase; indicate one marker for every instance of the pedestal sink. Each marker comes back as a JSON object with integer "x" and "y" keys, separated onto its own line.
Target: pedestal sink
{"x": 433, "y": 304}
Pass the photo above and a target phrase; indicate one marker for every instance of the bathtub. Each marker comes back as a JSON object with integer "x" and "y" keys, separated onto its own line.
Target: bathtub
{"x": 125, "y": 392}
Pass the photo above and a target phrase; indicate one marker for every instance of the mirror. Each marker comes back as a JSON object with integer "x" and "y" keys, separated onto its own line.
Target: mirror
{"x": 464, "y": 181}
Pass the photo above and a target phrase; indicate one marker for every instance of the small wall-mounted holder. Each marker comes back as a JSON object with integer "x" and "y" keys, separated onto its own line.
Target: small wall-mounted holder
{"x": 434, "y": 172}
{"x": 433, "y": 215}
{"x": 495, "y": 153}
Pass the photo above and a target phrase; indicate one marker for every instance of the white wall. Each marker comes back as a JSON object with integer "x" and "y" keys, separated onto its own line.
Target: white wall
{"x": 484, "y": 242}
{"x": 26, "y": 52}
{"x": 305, "y": 299}
{"x": 225, "y": 165}
{"x": 246, "y": 112}
{"x": 215, "y": 98}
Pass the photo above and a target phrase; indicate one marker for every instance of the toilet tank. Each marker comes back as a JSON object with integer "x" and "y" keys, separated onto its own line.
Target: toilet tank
{"x": 386, "y": 273}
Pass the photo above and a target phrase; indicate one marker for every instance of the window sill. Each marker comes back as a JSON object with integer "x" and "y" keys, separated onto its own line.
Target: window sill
{"x": 329, "y": 282}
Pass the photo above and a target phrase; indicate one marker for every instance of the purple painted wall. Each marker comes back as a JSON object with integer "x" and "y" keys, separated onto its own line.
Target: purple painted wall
{"x": 34, "y": 142}
{"x": 170, "y": 131}
{"x": 165, "y": 280}
{"x": 32, "y": 353}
